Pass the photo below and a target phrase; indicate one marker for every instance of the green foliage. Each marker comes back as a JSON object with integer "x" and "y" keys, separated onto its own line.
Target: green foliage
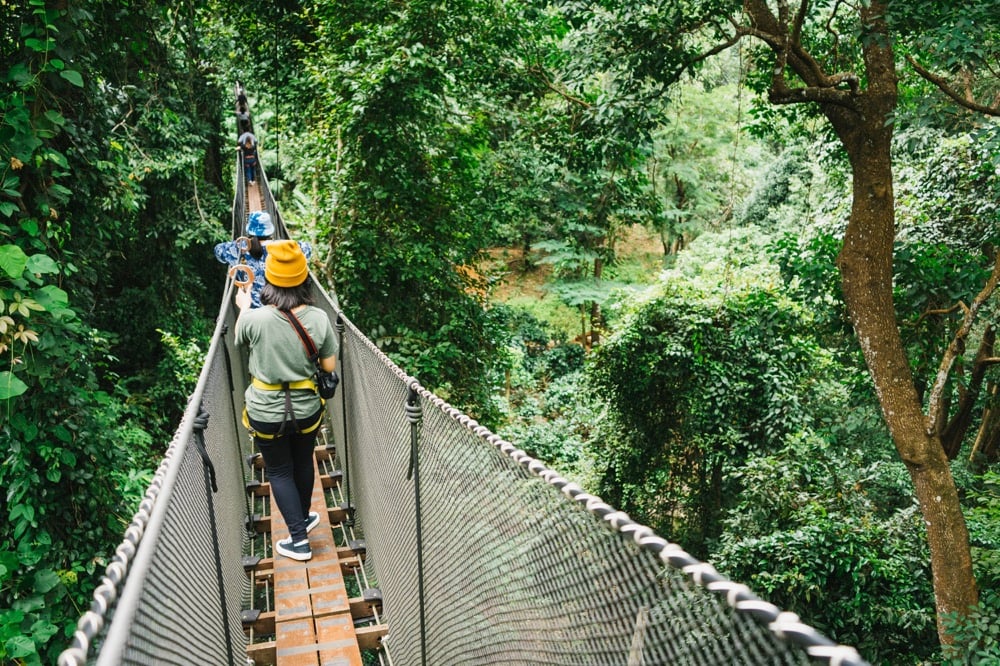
{"x": 106, "y": 138}
{"x": 404, "y": 97}
{"x": 698, "y": 167}
{"x": 549, "y": 413}
{"x": 976, "y": 634}
{"x": 554, "y": 425}
{"x": 185, "y": 360}
{"x": 808, "y": 266}
{"x": 777, "y": 201}
{"x": 695, "y": 381}
{"x": 829, "y": 531}
{"x": 982, "y": 517}
{"x": 59, "y": 438}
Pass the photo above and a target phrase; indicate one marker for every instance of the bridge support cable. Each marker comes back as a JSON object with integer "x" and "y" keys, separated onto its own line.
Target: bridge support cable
{"x": 413, "y": 415}
{"x": 339, "y": 327}
{"x": 212, "y": 487}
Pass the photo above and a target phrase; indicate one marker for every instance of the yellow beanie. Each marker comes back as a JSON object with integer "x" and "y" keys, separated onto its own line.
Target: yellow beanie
{"x": 285, "y": 265}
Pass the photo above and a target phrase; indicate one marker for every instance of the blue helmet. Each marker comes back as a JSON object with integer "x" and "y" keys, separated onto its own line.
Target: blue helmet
{"x": 260, "y": 224}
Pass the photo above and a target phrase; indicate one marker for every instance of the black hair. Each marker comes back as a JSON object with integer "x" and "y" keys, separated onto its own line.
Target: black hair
{"x": 256, "y": 249}
{"x": 286, "y": 298}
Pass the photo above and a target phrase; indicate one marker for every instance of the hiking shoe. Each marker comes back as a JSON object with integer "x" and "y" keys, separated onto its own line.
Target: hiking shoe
{"x": 297, "y": 551}
{"x": 312, "y": 520}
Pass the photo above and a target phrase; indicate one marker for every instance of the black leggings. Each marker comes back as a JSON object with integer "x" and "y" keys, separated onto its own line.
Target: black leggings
{"x": 289, "y": 461}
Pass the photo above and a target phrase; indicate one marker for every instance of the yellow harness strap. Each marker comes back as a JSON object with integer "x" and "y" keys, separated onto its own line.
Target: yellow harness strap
{"x": 307, "y": 384}
{"x": 265, "y": 435}
{"x": 300, "y": 384}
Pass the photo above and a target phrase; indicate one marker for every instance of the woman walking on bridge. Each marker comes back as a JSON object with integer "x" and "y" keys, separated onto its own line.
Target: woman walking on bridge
{"x": 251, "y": 251}
{"x": 283, "y": 406}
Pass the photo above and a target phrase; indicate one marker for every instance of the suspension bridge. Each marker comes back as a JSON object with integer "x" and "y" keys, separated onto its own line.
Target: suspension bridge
{"x": 440, "y": 544}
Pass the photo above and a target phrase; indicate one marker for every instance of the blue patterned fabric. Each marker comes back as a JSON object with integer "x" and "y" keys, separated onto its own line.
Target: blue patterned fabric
{"x": 232, "y": 254}
{"x": 259, "y": 224}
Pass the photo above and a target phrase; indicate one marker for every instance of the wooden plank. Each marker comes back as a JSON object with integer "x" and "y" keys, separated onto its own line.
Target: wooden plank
{"x": 263, "y": 489}
{"x": 370, "y": 637}
{"x": 263, "y": 625}
{"x": 296, "y": 641}
{"x": 322, "y": 453}
{"x": 263, "y": 654}
{"x": 362, "y": 609}
{"x": 312, "y": 619}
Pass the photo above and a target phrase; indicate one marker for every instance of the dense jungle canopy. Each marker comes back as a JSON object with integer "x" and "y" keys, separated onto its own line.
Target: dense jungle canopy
{"x": 730, "y": 265}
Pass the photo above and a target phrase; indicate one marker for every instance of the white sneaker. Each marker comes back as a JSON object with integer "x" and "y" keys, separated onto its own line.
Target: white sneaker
{"x": 312, "y": 520}
{"x": 297, "y": 551}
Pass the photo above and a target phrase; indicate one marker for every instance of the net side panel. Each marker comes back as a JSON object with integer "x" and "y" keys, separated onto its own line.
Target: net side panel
{"x": 514, "y": 572}
{"x": 182, "y": 616}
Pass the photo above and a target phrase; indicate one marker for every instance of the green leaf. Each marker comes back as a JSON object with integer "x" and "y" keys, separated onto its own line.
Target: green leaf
{"x": 42, "y": 263}
{"x": 10, "y": 184}
{"x": 73, "y": 77}
{"x": 10, "y": 385}
{"x": 55, "y": 117}
{"x": 40, "y": 45}
{"x": 25, "y": 510}
{"x": 43, "y": 630}
{"x": 45, "y": 580}
{"x": 51, "y": 297}
{"x": 7, "y": 208}
{"x": 30, "y": 604}
{"x": 19, "y": 646}
{"x": 12, "y": 261}
{"x": 29, "y": 554}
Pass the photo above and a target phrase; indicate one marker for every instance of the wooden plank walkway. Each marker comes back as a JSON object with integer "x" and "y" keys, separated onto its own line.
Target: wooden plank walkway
{"x": 254, "y": 202}
{"x": 313, "y": 617}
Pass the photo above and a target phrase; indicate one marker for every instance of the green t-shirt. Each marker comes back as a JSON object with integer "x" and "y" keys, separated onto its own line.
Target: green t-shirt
{"x": 277, "y": 355}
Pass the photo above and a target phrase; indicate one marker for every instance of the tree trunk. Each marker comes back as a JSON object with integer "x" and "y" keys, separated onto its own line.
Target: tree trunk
{"x": 987, "y": 445}
{"x": 865, "y": 262}
{"x": 595, "y": 307}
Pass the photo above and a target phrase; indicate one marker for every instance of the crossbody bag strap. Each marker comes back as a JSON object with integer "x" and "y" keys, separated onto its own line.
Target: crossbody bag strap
{"x": 304, "y": 336}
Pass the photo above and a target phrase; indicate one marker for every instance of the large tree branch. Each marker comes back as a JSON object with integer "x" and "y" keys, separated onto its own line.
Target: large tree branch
{"x": 715, "y": 50}
{"x": 935, "y": 405}
{"x": 562, "y": 92}
{"x": 958, "y": 425}
{"x": 946, "y": 88}
{"x": 785, "y": 95}
{"x": 785, "y": 40}
{"x": 800, "y": 18}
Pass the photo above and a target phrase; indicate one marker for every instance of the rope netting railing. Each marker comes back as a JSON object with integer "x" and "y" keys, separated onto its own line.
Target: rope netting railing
{"x": 175, "y": 587}
{"x": 486, "y": 556}
{"x": 511, "y": 564}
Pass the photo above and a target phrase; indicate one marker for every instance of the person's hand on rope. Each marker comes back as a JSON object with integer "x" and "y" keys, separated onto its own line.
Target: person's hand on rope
{"x": 243, "y": 298}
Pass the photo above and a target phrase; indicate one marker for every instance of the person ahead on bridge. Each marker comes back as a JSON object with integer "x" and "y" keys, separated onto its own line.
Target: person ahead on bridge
{"x": 283, "y": 408}
{"x": 242, "y": 113}
{"x": 253, "y": 251}
{"x": 248, "y": 144}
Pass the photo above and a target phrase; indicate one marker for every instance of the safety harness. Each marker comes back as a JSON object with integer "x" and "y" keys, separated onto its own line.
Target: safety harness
{"x": 287, "y": 387}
